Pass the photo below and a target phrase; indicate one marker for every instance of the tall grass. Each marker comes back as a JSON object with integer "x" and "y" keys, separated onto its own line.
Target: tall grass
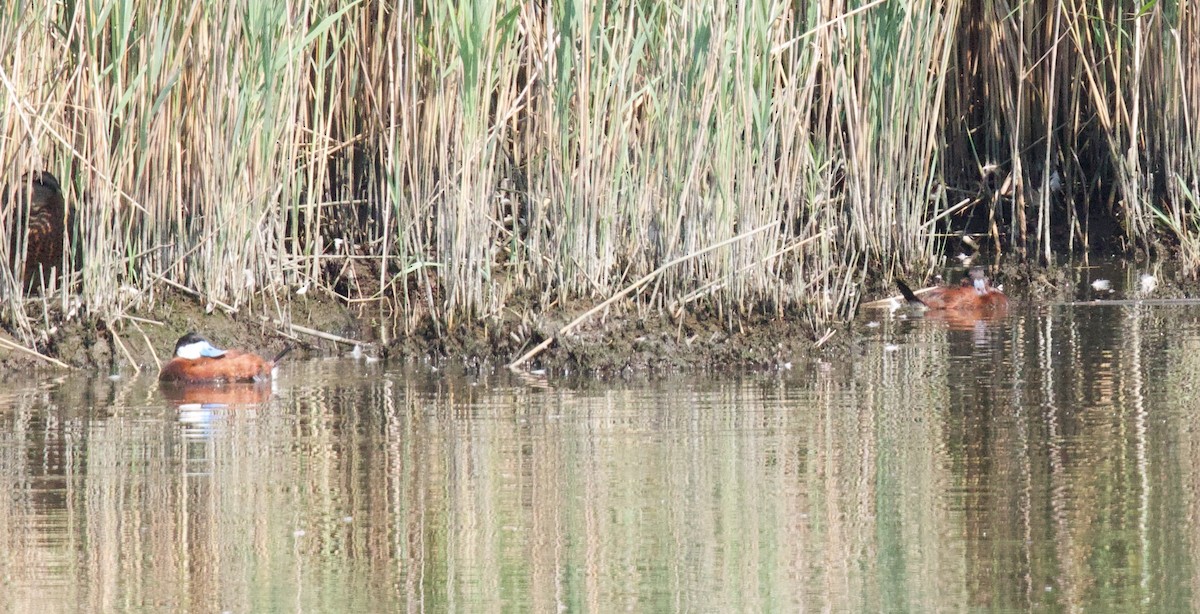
{"x": 1077, "y": 113}
{"x": 462, "y": 161}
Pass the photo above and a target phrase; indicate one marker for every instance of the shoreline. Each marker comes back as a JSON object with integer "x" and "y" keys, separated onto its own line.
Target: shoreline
{"x": 625, "y": 338}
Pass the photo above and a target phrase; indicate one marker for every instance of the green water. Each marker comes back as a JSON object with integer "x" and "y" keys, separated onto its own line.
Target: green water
{"x": 1048, "y": 461}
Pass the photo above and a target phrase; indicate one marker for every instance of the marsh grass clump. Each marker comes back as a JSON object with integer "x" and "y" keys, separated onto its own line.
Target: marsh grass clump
{"x": 459, "y": 162}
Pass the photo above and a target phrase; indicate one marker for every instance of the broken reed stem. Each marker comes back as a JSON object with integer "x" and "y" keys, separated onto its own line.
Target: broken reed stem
{"x": 20, "y": 348}
{"x": 137, "y": 370}
{"x": 631, "y": 288}
{"x": 717, "y": 284}
{"x": 312, "y": 332}
{"x": 153, "y": 354}
{"x": 178, "y": 286}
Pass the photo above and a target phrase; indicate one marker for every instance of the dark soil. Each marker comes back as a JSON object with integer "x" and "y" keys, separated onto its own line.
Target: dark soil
{"x": 620, "y": 342}
{"x": 627, "y": 339}
{"x": 145, "y": 338}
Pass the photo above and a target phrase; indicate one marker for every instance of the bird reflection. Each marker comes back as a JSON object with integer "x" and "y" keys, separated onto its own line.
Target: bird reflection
{"x": 216, "y": 395}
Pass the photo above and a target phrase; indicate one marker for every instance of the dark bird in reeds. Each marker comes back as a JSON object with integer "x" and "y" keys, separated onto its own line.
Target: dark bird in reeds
{"x": 41, "y": 224}
{"x": 974, "y": 294}
{"x": 197, "y": 361}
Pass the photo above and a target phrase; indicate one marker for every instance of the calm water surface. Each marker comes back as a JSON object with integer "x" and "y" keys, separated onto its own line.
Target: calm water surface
{"x": 1045, "y": 462}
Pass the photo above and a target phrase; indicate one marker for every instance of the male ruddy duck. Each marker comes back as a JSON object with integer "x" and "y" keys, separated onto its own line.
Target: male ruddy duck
{"x": 43, "y": 224}
{"x": 197, "y": 361}
{"x": 975, "y": 294}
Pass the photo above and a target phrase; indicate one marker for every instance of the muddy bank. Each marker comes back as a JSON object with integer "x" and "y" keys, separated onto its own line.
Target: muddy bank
{"x": 620, "y": 341}
{"x": 624, "y": 340}
{"x": 141, "y": 339}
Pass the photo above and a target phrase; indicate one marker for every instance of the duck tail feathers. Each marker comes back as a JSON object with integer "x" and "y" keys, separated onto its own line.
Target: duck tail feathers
{"x": 281, "y": 354}
{"x": 909, "y": 295}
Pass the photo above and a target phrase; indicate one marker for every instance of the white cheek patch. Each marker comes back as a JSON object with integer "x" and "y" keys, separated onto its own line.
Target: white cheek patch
{"x": 193, "y": 351}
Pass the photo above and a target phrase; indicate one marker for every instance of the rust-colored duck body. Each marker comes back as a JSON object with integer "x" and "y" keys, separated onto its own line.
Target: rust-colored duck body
{"x": 43, "y": 224}
{"x": 975, "y": 295}
{"x": 197, "y": 361}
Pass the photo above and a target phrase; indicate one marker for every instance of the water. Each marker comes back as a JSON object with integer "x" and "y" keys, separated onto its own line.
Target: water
{"x": 1047, "y": 461}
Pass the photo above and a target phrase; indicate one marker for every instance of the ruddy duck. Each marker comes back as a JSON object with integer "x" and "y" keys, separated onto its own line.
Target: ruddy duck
{"x": 197, "y": 361}
{"x": 44, "y": 226}
{"x": 975, "y": 293}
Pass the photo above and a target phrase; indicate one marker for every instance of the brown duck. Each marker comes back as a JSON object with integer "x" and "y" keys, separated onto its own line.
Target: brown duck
{"x": 43, "y": 223}
{"x": 975, "y": 294}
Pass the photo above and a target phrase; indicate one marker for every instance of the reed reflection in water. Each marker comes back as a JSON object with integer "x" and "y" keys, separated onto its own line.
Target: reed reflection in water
{"x": 1041, "y": 461}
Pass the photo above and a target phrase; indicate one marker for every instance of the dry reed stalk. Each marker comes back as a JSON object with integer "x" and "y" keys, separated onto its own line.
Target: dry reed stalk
{"x": 34, "y": 353}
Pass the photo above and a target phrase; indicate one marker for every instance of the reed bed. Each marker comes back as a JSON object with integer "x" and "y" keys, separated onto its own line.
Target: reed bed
{"x": 453, "y": 162}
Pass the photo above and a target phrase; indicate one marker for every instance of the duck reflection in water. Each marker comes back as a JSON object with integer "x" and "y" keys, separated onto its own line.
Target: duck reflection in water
{"x": 973, "y": 301}
{"x": 203, "y": 373}
{"x": 215, "y": 395}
